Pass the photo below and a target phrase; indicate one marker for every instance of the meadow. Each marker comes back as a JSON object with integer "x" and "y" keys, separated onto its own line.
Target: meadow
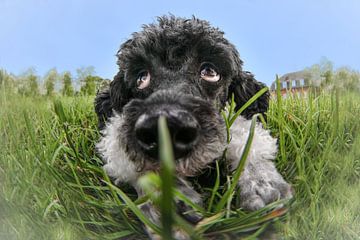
{"x": 52, "y": 185}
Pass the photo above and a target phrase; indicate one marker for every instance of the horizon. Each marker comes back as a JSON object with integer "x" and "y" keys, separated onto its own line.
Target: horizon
{"x": 275, "y": 37}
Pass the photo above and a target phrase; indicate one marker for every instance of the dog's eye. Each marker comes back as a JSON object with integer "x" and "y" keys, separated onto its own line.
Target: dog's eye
{"x": 143, "y": 80}
{"x": 209, "y": 74}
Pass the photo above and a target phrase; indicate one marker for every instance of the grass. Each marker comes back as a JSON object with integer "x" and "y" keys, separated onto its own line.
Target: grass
{"x": 320, "y": 139}
{"x": 53, "y": 186}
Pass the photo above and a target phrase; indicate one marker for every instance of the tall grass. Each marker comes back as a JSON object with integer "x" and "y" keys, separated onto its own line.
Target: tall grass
{"x": 319, "y": 141}
{"x": 53, "y": 186}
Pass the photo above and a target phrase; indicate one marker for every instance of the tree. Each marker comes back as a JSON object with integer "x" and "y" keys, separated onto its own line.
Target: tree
{"x": 320, "y": 73}
{"x": 86, "y": 79}
{"x": 82, "y": 73}
{"x": 7, "y": 81}
{"x": 90, "y": 85}
{"x": 347, "y": 79}
{"x": 33, "y": 85}
{"x": 67, "y": 87}
{"x": 28, "y": 83}
{"x": 89, "y": 82}
{"x": 324, "y": 76}
{"x": 50, "y": 79}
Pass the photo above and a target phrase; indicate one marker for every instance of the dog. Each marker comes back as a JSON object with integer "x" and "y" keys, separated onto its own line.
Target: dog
{"x": 185, "y": 70}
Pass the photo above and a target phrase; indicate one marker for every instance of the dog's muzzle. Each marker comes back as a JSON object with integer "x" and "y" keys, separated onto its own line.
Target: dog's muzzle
{"x": 183, "y": 128}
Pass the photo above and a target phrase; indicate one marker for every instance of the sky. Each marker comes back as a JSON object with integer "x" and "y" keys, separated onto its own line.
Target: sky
{"x": 272, "y": 36}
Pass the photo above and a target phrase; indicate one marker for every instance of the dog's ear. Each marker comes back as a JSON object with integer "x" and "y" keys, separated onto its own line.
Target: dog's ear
{"x": 243, "y": 87}
{"x": 111, "y": 98}
{"x": 103, "y": 107}
{"x": 120, "y": 94}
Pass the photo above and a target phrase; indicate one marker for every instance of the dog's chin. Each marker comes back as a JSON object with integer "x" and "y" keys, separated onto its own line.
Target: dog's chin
{"x": 199, "y": 160}
{"x": 210, "y": 147}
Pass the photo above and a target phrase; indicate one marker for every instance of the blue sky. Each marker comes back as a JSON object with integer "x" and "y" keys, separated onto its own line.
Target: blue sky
{"x": 273, "y": 37}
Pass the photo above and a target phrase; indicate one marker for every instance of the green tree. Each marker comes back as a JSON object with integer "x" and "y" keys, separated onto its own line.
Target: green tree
{"x": 89, "y": 82}
{"x": 7, "y": 81}
{"x": 347, "y": 79}
{"x": 28, "y": 83}
{"x": 50, "y": 79}
{"x": 321, "y": 73}
{"x": 67, "y": 87}
{"x": 86, "y": 80}
{"x": 90, "y": 85}
{"x": 33, "y": 85}
{"x": 344, "y": 78}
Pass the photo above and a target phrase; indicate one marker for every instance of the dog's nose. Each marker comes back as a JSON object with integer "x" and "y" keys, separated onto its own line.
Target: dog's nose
{"x": 183, "y": 128}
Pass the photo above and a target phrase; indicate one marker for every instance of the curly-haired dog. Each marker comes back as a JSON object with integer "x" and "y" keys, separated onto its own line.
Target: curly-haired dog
{"x": 185, "y": 70}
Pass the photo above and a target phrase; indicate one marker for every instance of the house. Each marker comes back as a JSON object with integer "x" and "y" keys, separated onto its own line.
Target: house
{"x": 299, "y": 83}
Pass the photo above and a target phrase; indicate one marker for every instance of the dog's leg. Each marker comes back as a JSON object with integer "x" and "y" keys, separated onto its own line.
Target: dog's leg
{"x": 260, "y": 182}
{"x": 182, "y": 208}
{"x": 185, "y": 211}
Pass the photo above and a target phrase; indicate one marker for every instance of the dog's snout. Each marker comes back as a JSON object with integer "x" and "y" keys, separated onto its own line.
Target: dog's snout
{"x": 183, "y": 128}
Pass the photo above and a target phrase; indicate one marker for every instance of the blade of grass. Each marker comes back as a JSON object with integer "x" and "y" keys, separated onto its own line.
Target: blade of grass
{"x": 167, "y": 178}
{"x": 215, "y": 188}
{"x": 226, "y": 120}
{"x": 247, "y": 104}
{"x": 270, "y": 211}
{"x": 239, "y": 168}
{"x": 151, "y": 183}
{"x": 228, "y": 204}
{"x": 280, "y": 118}
{"x": 252, "y": 224}
{"x": 59, "y": 110}
{"x": 117, "y": 235}
{"x": 206, "y": 223}
{"x": 131, "y": 205}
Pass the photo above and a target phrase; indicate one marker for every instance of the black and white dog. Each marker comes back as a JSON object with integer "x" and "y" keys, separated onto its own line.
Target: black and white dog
{"x": 185, "y": 70}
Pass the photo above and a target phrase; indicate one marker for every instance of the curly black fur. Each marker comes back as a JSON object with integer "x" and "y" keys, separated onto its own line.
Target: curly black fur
{"x": 173, "y": 50}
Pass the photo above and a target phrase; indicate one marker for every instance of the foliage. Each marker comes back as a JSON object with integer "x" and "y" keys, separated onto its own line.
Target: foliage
{"x": 319, "y": 72}
{"x": 90, "y": 85}
{"x": 346, "y": 78}
{"x": 89, "y": 82}
{"x": 321, "y": 157}
{"x": 67, "y": 87}
{"x": 50, "y": 79}
{"x": 343, "y": 78}
{"x": 53, "y": 186}
{"x": 7, "y": 81}
{"x": 28, "y": 83}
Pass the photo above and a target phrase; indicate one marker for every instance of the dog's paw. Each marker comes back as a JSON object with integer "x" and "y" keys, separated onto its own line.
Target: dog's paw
{"x": 188, "y": 213}
{"x": 177, "y": 234}
{"x": 256, "y": 193}
{"x": 180, "y": 234}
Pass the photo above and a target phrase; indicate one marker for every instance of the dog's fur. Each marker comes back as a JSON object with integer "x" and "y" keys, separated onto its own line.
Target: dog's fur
{"x": 173, "y": 51}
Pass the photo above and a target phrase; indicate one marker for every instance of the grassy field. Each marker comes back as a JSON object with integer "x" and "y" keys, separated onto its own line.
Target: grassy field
{"x": 53, "y": 187}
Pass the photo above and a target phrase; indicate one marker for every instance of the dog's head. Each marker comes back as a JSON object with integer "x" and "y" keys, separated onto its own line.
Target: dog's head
{"x": 185, "y": 70}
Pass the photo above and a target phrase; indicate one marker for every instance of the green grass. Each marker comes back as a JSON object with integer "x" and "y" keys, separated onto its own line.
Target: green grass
{"x": 53, "y": 186}
{"x": 321, "y": 157}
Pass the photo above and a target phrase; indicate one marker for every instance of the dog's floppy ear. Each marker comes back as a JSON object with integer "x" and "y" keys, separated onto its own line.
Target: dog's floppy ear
{"x": 103, "y": 106}
{"x": 243, "y": 87}
{"x": 120, "y": 94}
{"x": 112, "y": 98}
